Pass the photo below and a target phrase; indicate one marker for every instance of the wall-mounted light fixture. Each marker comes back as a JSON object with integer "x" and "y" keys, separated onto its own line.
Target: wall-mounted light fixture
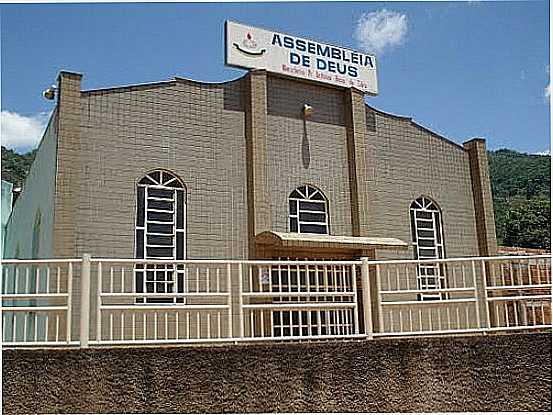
{"x": 50, "y": 93}
{"x": 307, "y": 110}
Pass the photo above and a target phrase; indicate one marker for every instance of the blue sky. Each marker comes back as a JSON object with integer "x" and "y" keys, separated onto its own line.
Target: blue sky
{"x": 462, "y": 69}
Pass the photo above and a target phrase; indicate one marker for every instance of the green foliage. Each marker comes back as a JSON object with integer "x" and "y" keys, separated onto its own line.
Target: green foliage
{"x": 521, "y": 188}
{"x": 528, "y": 224}
{"x": 516, "y": 174}
{"x": 15, "y": 167}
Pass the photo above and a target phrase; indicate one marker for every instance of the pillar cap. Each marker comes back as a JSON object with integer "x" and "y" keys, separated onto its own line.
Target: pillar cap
{"x": 69, "y": 74}
{"x": 475, "y": 140}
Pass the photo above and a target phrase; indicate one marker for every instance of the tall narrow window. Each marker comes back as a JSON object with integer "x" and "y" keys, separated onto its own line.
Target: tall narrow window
{"x": 308, "y": 211}
{"x": 428, "y": 243}
{"x": 160, "y": 234}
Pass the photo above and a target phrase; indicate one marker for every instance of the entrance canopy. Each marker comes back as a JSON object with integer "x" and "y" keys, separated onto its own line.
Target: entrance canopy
{"x": 307, "y": 240}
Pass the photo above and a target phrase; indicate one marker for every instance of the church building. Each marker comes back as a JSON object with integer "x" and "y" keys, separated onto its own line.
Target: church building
{"x": 269, "y": 165}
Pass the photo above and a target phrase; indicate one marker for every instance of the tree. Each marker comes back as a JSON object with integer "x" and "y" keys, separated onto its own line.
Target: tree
{"x": 520, "y": 183}
{"x": 528, "y": 224}
{"x": 15, "y": 167}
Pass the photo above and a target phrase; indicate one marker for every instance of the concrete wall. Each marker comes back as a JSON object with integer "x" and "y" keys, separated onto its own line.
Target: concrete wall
{"x": 37, "y": 199}
{"x": 406, "y": 161}
{"x": 463, "y": 374}
{"x": 314, "y": 152}
{"x": 195, "y": 130}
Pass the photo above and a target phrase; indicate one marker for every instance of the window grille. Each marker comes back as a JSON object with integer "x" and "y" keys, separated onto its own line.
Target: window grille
{"x": 308, "y": 211}
{"x": 160, "y": 234}
{"x": 428, "y": 243}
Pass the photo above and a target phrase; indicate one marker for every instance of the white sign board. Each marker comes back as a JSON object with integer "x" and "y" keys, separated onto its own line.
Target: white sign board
{"x": 254, "y": 48}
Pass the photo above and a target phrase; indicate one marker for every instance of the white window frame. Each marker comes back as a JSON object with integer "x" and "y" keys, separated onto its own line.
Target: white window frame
{"x": 167, "y": 182}
{"x": 424, "y": 206}
{"x": 307, "y": 194}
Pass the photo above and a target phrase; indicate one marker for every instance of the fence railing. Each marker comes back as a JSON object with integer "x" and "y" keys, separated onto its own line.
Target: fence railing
{"x": 91, "y": 301}
{"x": 407, "y": 304}
{"x": 37, "y": 299}
{"x": 139, "y": 301}
{"x": 298, "y": 299}
{"x": 518, "y": 292}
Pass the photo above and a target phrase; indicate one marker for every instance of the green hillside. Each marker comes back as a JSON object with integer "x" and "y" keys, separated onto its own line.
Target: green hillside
{"x": 521, "y": 187}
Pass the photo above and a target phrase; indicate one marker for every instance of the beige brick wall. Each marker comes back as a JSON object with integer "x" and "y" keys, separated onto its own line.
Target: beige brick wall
{"x": 312, "y": 153}
{"x": 483, "y": 201}
{"x": 69, "y": 155}
{"x": 196, "y": 131}
{"x": 219, "y": 140}
{"x": 406, "y": 161}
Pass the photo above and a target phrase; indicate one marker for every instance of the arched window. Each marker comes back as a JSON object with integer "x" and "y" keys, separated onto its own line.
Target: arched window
{"x": 308, "y": 210}
{"x": 160, "y": 232}
{"x": 428, "y": 243}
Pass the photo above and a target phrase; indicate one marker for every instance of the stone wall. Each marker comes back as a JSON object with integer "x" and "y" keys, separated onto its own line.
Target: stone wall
{"x": 476, "y": 373}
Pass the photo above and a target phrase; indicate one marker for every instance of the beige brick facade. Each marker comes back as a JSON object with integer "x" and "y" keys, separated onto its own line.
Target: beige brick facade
{"x": 407, "y": 161}
{"x": 311, "y": 151}
{"x": 195, "y": 131}
{"x": 241, "y": 147}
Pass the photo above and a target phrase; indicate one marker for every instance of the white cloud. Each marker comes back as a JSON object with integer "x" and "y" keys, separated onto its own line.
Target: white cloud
{"x": 377, "y": 31}
{"x": 544, "y": 153}
{"x": 21, "y": 132}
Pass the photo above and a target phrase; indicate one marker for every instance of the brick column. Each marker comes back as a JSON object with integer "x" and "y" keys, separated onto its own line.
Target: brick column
{"x": 356, "y": 130}
{"x": 68, "y": 165}
{"x": 482, "y": 191}
{"x": 259, "y": 212}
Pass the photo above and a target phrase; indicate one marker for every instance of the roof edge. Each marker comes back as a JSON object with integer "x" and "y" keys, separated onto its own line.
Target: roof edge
{"x": 157, "y": 84}
{"x": 417, "y": 125}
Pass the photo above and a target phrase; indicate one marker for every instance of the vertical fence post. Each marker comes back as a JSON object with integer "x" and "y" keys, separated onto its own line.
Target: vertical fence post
{"x": 68, "y": 319}
{"x": 355, "y": 300}
{"x": 85, "y": 302}
{"x": 99, "y": 304}
{"x": 378, "y": 297}
{"x": 240, "y": 302}
{"x": 484, "y": 296}
{"x": 367, "y": 304}
{"x": 229, "y": 300}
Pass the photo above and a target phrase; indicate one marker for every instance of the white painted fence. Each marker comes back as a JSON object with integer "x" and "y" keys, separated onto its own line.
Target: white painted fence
{"x": 162, "y": 302}
{"x": 37, "y": 302}
{"x": 98, "y": 302}
{"x": 298, "y": 299}
{"x": 404, "y": 307}
{"x": 518, "y": 292}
